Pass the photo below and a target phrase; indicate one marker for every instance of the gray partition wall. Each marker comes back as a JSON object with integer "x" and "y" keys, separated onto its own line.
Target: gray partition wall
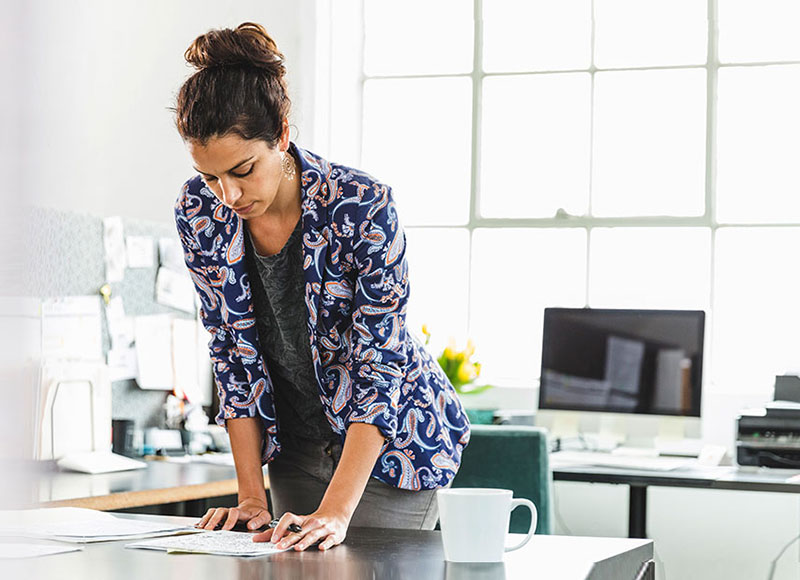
{"x": 67, "y": 259}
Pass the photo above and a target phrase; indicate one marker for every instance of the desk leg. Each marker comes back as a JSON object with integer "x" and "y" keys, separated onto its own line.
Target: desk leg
{"x": 637, "y": 511}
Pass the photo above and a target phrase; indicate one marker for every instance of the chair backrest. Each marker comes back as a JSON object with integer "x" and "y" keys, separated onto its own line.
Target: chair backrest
{"x": 511, "y": 457}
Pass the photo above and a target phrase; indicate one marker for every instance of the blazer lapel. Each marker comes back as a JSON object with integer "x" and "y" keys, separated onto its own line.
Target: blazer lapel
{"x": 316, "y": 195}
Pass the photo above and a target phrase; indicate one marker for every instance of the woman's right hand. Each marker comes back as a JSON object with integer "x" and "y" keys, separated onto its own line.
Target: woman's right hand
{"x": 250, "y": 510}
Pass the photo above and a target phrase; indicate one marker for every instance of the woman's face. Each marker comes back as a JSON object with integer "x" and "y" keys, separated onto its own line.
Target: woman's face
{"x": 244, "y": 174}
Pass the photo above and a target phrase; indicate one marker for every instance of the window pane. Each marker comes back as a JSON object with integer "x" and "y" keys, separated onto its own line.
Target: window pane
{"x": 417, "y": 138}
{"x": 521, "y": 35}
{"x": 761, "y": 31}
{"x": 439, "y": 283}
{"x": 650, "y": 32}
{"x": 516, "y": 273}
{"x": 757, "y": 144}
{"x": 755, "y": 307}
{"x": 649, "y": 143}
{"x": 650, "y": 268}
{"x": 418, "y": 37}
{"x": 535, "y": 145}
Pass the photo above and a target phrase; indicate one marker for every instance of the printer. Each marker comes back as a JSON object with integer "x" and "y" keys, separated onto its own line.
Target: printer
{"x": 770, "y": 436}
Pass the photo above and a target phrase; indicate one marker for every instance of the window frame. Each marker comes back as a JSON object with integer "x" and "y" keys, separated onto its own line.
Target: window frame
{"x": 708, "y": 220}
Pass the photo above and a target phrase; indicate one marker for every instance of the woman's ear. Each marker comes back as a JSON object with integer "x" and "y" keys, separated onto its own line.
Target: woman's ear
{"x": 284, "y": 141}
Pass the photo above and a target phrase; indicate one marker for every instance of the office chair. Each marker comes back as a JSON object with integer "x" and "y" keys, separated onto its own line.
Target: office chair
{"x": 511, "y": 457}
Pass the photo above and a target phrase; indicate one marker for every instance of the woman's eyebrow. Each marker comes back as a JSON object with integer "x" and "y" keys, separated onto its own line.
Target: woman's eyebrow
{"x": 229, "y": 170}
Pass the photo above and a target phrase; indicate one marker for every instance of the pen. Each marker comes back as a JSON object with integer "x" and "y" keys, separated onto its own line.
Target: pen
{"x": 292, "y": 527}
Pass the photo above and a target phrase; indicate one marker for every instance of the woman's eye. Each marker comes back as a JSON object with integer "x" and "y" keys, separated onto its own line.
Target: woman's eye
{"x": 209, "y": 179}
{"x": 245, "y": 174}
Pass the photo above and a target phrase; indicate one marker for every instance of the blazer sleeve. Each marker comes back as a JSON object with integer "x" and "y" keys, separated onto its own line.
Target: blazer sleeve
{"x": 379, "y": 314}
{"x": 236, "y": 395}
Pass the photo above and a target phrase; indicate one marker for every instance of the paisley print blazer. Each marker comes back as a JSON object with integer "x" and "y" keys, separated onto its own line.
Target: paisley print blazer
{"x": 369, "y": 369}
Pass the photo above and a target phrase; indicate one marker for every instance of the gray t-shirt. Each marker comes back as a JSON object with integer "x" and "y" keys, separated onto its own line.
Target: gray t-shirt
{"x": 278, "y": 288}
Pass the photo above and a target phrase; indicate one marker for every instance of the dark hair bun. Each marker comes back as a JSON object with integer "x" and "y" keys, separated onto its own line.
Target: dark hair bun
{"x": 246, "y": 45}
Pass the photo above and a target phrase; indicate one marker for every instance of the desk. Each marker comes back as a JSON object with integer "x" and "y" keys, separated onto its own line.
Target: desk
{"x": 730, "y": 478}
{"x": 366, "y": 553}
{"x": 161, "y": 482}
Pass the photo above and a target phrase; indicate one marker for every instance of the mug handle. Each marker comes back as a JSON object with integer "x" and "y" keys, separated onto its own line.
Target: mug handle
{"x": 534, "y": 518}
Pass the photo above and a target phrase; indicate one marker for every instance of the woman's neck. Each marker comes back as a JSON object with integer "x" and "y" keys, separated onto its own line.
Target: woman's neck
{"x": 286, "y": 207}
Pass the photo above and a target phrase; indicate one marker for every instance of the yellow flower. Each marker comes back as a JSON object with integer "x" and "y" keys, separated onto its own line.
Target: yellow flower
{"x": 466, "y": 372}
{"x": 470, "y": 350}
{"x": 427, "y": 333}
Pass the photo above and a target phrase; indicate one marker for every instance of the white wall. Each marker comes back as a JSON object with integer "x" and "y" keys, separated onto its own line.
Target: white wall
{"x": 99, "y": 137}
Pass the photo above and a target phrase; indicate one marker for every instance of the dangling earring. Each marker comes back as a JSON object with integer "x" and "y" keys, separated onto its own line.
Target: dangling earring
{"x": 288, "y": 165}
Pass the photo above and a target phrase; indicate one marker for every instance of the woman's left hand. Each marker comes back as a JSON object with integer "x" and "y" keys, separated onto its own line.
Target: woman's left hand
{"x": 327, "y": 528}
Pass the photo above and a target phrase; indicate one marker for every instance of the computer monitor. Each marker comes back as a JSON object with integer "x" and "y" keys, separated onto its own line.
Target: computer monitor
{"x": 622, "y": 361}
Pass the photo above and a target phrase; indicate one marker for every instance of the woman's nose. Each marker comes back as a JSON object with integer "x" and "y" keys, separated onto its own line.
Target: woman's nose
{"x": 230, "y": 192}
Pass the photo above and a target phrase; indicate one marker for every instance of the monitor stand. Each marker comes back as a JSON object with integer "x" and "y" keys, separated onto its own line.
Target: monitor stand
{"x": 672, "y": 438}
{"x": 566, "y": 426}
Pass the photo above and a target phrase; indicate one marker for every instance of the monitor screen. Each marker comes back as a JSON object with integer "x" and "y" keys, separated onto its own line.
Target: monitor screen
{"x": 622, "y": 361}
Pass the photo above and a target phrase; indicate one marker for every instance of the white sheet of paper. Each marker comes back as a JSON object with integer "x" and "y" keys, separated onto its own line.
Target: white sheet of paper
{"x": 170, "y": 254}
{"x": 175, "y": 290}
{"x": 80, "y": 525}
{"x": 72, "y": 328}
{"x": 184, "y": 359}
{"x": 122, "y": 364}
{"x": 205, "y": 378}
{"x": 114, "y": 246}
{"x": 154, "y": 351}
{"x": 120, "y": 327}
{"x": 17, "y": 550}
{"x": 221, "y": 542}
{"x": 140, "y": 251}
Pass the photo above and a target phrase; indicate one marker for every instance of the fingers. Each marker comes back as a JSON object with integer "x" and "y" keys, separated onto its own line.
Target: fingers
{"x": 265, "y": 536}
{"x": 230, "y": 521}
{"x": 282, "y": 529}
{"x": 312, "y": 537}
{"x": 212, "y": 518}
{"x": 261, "y": 519}
{"x": 314, "y": 530}
{"x": 328, "y": 543}
{"x": 204, "y": 520}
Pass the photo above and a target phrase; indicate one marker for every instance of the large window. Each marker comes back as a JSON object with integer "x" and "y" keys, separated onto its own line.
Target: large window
{"x": 609, "y": 153}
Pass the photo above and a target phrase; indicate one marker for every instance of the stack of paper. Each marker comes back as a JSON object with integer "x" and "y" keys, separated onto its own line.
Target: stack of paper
{"x": 80, "y": 525}
{"x": 18, "y": 550}
{"x": 223, "y": 543}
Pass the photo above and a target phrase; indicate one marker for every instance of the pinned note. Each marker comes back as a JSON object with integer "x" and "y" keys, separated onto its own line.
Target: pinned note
{"x": 154, "y": 351}
{"x": 114, "y": 246}
{"x": 170, "y": 254}
{"x": 175, "y": 290}
{"x": 120, "y": 326}
{"x": 122, "y": 363}
{"x": 139, "y": 251}
{"x": 72, "y": 328}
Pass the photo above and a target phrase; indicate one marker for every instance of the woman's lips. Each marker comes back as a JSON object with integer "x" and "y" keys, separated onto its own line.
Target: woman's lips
{"x": 244, "y": 209}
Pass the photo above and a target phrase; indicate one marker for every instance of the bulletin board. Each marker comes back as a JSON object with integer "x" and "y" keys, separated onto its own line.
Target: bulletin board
{"x": 67, "y": 259}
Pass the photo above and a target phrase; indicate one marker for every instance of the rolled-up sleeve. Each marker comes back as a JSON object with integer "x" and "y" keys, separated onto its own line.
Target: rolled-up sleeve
{"x": 379, "y": 315}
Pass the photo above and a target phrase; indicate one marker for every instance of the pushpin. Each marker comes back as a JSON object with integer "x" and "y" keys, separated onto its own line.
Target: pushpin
{"x": 105, "y": 292}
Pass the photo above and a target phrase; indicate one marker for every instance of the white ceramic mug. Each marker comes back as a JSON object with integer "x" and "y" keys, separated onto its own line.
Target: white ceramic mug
{"x": 474, "y": 523}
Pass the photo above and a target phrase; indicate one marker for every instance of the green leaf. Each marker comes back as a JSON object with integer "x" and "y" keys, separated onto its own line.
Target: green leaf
{"x": 474, "y": 390}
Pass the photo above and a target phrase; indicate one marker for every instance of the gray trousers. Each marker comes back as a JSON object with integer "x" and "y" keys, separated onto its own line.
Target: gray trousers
{"x": 299, "y": 476}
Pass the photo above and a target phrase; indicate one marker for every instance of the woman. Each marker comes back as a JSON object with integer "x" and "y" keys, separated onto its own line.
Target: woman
{"x": 300, "y": 267}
